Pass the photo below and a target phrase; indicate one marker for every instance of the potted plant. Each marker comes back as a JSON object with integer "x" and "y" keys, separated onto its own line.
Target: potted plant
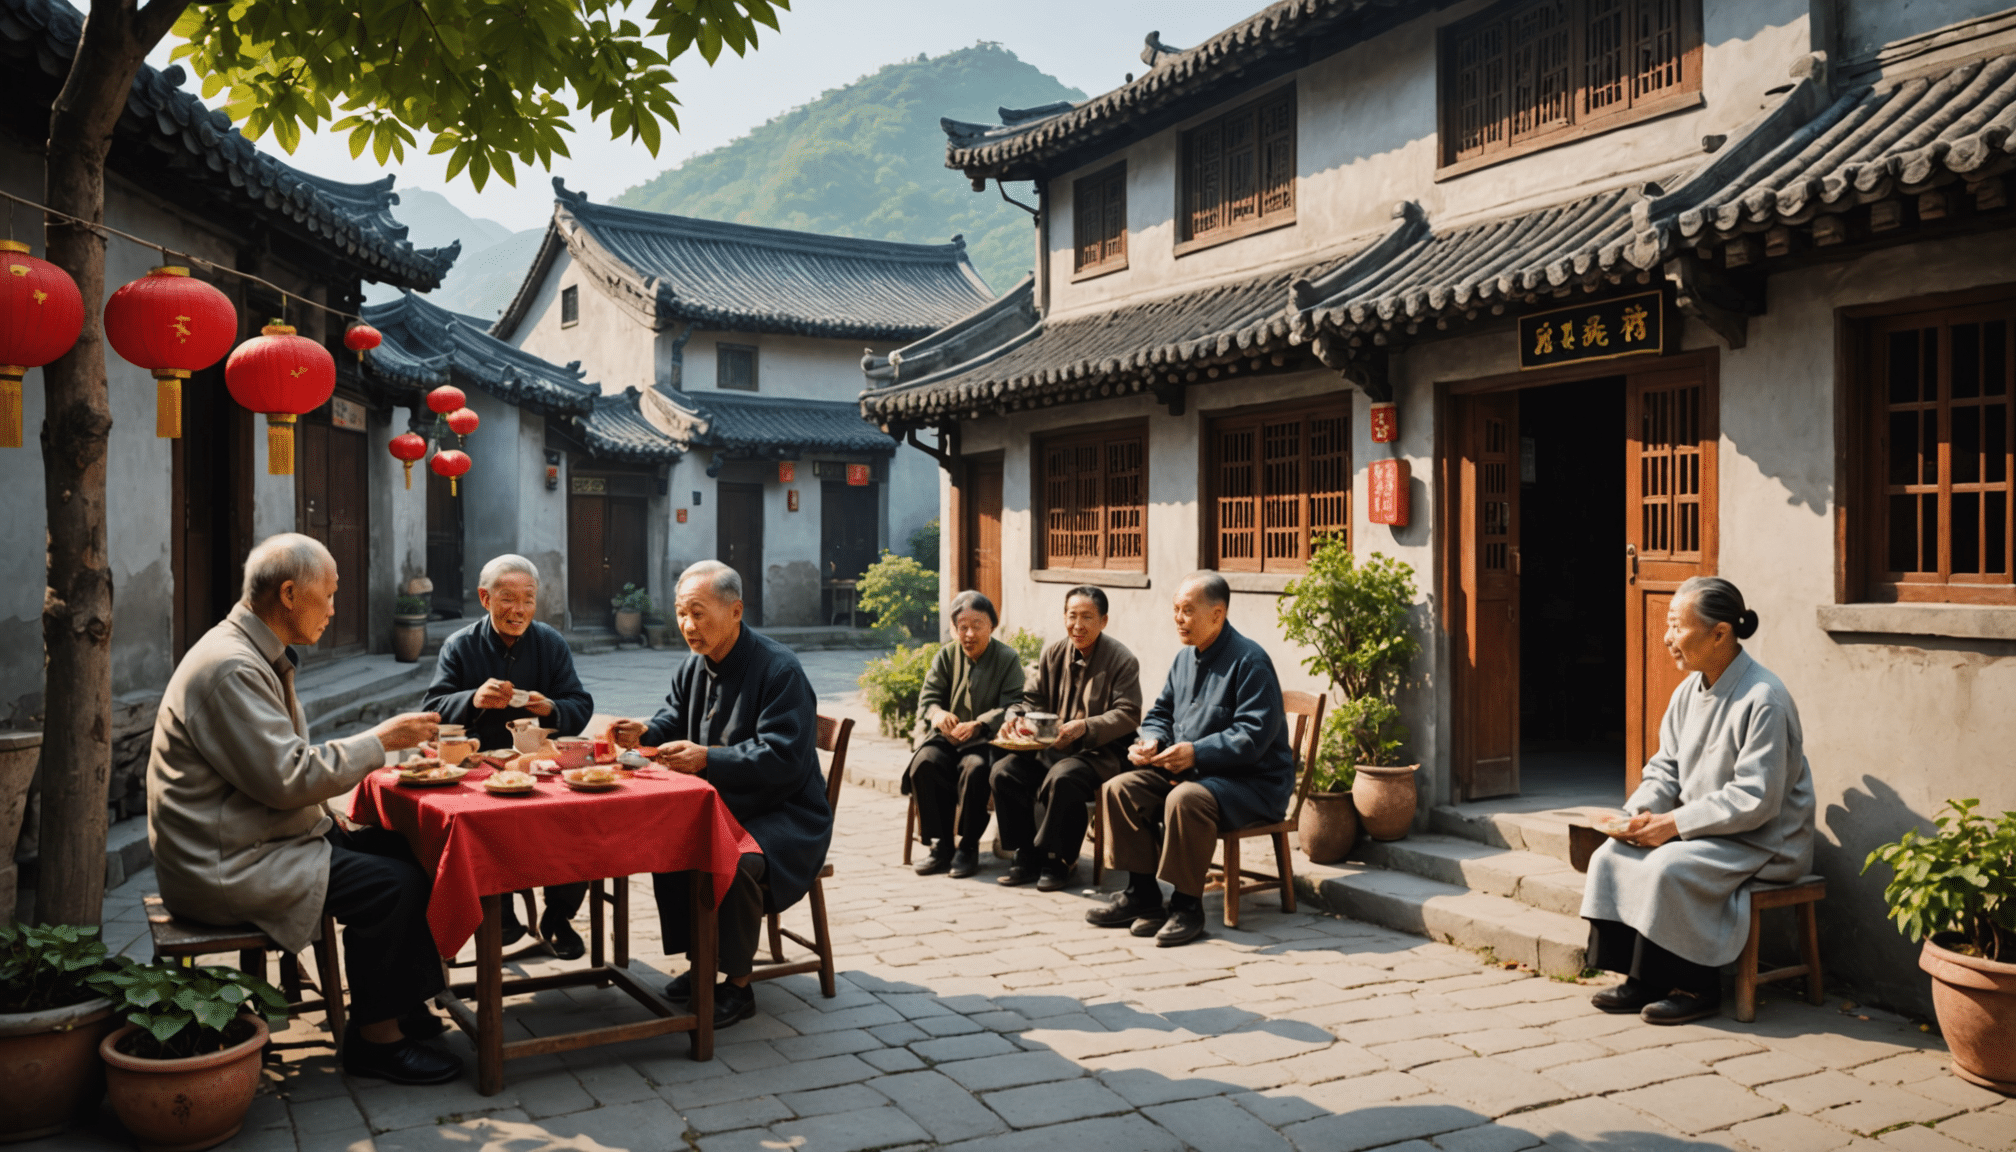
{"x": 409, "y": 628}
{"x": 51, "y": 1019}
{"x": 182, "y": 1071}
{"x": 657, "y": 630}
{"x": 1354, "y": 620}
{"x": 630, "y": 609}
{"x": 1956, "y": 891}
{"x": 19, "y": 753}
{"x": 1327, "y": 825}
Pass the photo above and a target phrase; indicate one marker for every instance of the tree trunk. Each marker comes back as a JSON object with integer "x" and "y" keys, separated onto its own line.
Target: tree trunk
{"x": 77, "y": 605}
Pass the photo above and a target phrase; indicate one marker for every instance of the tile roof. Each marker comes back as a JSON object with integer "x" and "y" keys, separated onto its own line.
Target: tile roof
{"x": 427, "y": 346}
{"x": 745, "y": 424}
{"x": 617, "y": 430}
{"x": 740, "y": 277}
{"x": 167, "y": 131}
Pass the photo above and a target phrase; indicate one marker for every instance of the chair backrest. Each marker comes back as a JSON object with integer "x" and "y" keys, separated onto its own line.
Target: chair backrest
{"x": 1307, "y": 709}
{"x": 834, "y": 736}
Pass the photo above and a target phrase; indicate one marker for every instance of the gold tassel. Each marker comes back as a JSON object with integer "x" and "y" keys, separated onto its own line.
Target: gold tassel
{"x": 280, "y": 444}
{"x": 10, "y": 406}
{"x": 168, "y": 403}
{"x": 452, "y": 491}
{"x": 409, "y": 474}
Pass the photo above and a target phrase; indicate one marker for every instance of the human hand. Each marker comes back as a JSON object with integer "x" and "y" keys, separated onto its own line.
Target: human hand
{"x": 626, "y": 733}
{"x": 1178, "y": 758}
{"x": 1647, "y": 830}
{"x": 1069, "y": 734}
{"x": 683, "y": 756}
{"x": 494, "y": 693}
{"x": 946, "y": 724}
{"x": 964, "y": 733}
{"x": 538, "y": 705}
{"x": 1142, "y": 751}
{"x": 408, "y": 730}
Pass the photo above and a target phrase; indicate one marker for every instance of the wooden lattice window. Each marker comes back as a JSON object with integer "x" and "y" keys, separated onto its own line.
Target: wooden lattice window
{"x": 1239, "y": 171}
{"x": 1095, "y": 499}
{"x": 1941, "y": 419}
{"x": 1532, "y": 73}
{"x": 735, "y": 367}
{"x": 1099, "y": 220}
{"x": 1494, "y": 498}
{"x": 1281, "y": 484}
{"x": 1669, "y": 474}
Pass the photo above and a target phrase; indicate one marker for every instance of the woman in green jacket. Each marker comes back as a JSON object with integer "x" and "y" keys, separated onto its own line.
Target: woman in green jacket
{"x": 965, "y": 696}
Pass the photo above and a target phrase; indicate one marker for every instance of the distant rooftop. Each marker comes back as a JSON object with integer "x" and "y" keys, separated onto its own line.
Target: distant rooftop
{"x": 427, "y": 346}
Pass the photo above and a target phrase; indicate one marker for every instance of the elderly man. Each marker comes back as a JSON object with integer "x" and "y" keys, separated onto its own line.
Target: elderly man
{"x": 237, "y": 813}
{"x": 1213, "y": 755}
{"x": 478, "y": 680}
{"x": 742, "y": 716}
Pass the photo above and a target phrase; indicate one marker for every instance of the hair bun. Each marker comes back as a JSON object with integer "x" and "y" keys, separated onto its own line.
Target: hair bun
{"x": 1746, "y": 624}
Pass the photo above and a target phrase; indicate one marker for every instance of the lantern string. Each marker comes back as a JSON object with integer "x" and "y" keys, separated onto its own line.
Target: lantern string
{"x": 167, "y": 254}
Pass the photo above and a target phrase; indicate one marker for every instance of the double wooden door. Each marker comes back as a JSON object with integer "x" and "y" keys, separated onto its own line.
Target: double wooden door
{"x": 738, "y": 542}
{"x": 607, "y": 546}
{"x": 332, "y": 493}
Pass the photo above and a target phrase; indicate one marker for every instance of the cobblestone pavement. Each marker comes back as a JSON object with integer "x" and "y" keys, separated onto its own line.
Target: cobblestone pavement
{"x": 984, "y": 1018}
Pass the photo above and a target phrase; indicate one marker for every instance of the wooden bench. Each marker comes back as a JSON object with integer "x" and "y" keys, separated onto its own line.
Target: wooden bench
{"x": 185, "y": 940}
{"x": 1801, "y": 894}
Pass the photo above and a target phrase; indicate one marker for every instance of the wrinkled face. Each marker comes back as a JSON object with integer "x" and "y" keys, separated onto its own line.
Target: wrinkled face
{"x": 973, "y": 629}
{"x": 512, "y": 603}
{"x": 308, "y": 606}
{"x": 707, "y": 623}
{"x": 1198, "y": 621}
{"x": 1083, "y": 622}
{"x": 1690, "y": 640}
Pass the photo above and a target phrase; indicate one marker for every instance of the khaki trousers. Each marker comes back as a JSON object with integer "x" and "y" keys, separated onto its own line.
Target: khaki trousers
{"x": 1146, "y": 805}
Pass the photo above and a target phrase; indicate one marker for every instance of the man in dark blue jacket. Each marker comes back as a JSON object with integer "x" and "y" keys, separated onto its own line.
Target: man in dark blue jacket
{"x": 504, "y": 667}
{"x": 1213, "y": 756}
{"x": 742, "y": 716}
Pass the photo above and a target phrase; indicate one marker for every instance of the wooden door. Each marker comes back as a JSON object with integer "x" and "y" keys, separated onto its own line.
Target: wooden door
{"x": 982, "y": 531}
{"x": 444, "y": 544}
{"x": 211, "y": 507}
{"x": 1487, "y": 754}
{"x": 331, "y": 504}
{"x": 1669, "y": 533}
{"x": 626, "y": 546}
{"x": 738, "y": 540}
{"x": 588, "y": 590}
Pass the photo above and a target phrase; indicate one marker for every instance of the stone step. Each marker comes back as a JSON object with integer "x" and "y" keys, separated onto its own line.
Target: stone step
{"x": 326, "y": 690}
{"x": 1552, "y": 943}
{"x": 1539, "y": 881}
{"x": 1540, "y": 830}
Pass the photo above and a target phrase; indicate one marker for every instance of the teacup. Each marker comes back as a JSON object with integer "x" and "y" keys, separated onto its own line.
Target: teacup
{"x": 574, "y": 751}
{"x": 1046, "y": 726}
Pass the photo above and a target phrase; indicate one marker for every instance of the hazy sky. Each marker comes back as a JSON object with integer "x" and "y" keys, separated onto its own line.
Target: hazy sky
{"x": 825, "y": 44}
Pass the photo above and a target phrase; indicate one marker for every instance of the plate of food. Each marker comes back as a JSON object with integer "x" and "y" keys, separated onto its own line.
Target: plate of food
{"x": 498, "y": 757}
{"x": 540, "y": 766}
{"x": 1614, "y": 826}
{"x": 426, "y": 773}
{"x": 511, "y": 782}
{"x": 1025, "y": 733}
{"x": 594, "y": 778}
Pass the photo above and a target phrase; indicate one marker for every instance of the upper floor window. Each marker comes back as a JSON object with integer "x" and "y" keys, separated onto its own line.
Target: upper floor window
{"x": 1279, "y": 483}
{"x": 735, "y": 367}
{"x": 1532, "y": 73}
{"x": 570, "y": 306}
{"x": 1094, "y": 487}
{"x": 1099, "y": 219}
{"x": 1238, "y": 173}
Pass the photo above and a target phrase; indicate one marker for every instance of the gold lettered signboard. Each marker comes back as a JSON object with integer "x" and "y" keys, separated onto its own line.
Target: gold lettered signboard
{"x": 1634, "y": 325}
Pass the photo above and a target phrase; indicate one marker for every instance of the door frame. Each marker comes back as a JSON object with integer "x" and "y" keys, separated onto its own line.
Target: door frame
{"x": 960, "y": 506}
{"x": 1448, "y": 512}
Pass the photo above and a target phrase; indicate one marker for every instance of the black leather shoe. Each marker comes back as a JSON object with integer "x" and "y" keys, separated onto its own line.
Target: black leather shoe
{"x": 1680, "y": 1007}
{"x": 421, "y": 1024}
{"x": 561, "y": 937}
{"x": 1629, "y": 996}
{"x": 1023, "y": 871}
{"x": 403, "y": 1062}
{"x": 1056, "y": 877}
{"x": 1123, "y": 912}
{"x": 680, "y": 990}
{"x": 965, "y": 862}
{"x": 933, "y": 863}
{"x": 732, "y": 1004}
{"x": 1183, "y": 926}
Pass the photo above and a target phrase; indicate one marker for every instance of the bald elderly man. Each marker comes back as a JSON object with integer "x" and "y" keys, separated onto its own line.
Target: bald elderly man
{"x": 238, "y": 816}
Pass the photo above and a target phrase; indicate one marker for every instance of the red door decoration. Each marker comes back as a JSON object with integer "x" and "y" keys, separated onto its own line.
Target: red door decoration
{"x": 361, "y": 338}
{"x": 446, "y": 399}
{"x": 171, "y": 324}
{"x": 452, "y": 464}
{"x": 283, "y": 375}
{"x": 1385, "y": 422}
{"x": 787, "y": 472}
{"x": 1388, "y": 504}
{"x": 41, "y": 314}
{"x": 463, "y": 421}
{"x": 857, "y": 475}
{"x": 408, "y": 448}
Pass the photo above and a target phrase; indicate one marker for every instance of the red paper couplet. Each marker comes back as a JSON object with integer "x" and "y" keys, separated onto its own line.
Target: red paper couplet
{"x": 1388, "y": 504}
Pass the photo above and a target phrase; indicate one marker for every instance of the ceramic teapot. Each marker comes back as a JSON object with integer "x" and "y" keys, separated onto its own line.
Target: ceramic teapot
{"x": 530, "y": 739}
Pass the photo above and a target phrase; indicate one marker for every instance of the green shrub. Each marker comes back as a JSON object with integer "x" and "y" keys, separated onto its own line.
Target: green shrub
{"x": 633, "y": 599}
{"x": 410, "y": 606}
{"x": 1336, "y": 767}
{"x": 185, "y": 1011}
{"x": 890, "y": 685}
{"x": 903, "y": 594}
{"x": 1961, "y": 880}
{"x": 1354, "y": 619}
{"x": 924, "y": 544}
{"x": 1027, "y": 644}
{"x": 49, "y": 965}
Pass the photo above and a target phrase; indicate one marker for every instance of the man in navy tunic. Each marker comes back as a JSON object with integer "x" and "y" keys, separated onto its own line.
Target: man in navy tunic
{"x": 481, "y": 670}
{"x": 1213, "y": 756}
{"x": 742, "y": 716}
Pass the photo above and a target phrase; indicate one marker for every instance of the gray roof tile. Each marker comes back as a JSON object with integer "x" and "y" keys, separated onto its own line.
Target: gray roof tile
{"x": 427, "y": 346}
{"x": 742, "y": 424}
{"x": 617, "y": 430}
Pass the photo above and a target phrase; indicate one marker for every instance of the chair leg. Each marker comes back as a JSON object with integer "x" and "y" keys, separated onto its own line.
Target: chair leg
{"x": 1232, "y": 882}
{"x": 1098, "y": 841}
{"x": 822, "y": 938}
{"x": 290, "y": 977}
{"x": 329, "y": 973}
{"x": 252, "y": 962}
{"x": 1746, "y": 970}
{"x": 776, "y": 938}
{"x": 1809, "y": 943}
{"x": 597, "y": 897}
{"x": 910, "y": 828}
{"x": 1284, "y": 867}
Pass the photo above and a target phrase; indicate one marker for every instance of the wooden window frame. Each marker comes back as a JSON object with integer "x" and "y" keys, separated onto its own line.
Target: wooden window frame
{"x": 1215, "y": 425}
{"x": 1188, "y": 241}
{"x": 1106, "y": 192}
{"x": 1863, "y": 541}
{"x": 1579, "y": 122}
{"x": 570, "y": 306}
{"x": 1104, "y": 438}
{"x": 722, "y": 351}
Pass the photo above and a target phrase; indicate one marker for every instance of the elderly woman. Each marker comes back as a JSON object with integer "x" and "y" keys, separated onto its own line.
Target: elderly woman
{"x": 965, "y": 695}
{"x": 1727, "y": 799}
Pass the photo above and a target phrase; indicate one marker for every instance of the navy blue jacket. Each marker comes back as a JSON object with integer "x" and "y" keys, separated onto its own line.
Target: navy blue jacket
{"x": 1226, "y": 703}
{"x": 538, "y": 662}
{"x": 758, "y": 718}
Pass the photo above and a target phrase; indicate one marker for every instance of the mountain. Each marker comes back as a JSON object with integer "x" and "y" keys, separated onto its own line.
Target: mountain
{"x": 493, "y": 260}
{"x": 431, "y": 219}
{"x": 868, "y": 160}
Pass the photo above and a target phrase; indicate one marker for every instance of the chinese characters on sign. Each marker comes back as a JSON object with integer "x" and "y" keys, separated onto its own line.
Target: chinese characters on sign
{"x": 787, "y": 472}
{"x": 1598, "y": 330}
{"x": 857, "y": 475}
{"x": 1388, "y": 504}
{"x": 1385, "y": 422}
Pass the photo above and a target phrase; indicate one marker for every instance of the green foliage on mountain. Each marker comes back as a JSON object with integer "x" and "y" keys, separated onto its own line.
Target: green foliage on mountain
{"x": 868, "y": 160}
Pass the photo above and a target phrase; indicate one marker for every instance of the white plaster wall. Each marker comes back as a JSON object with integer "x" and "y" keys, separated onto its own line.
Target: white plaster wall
{"x": 1867, "y": 25}
{"x": 398, "y": 550}
{"x": 815, "y": 368}
{"x": 616, "y": 349}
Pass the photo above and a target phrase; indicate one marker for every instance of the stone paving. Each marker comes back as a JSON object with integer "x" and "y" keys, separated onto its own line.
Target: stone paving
{"x": 990, "y": 1019}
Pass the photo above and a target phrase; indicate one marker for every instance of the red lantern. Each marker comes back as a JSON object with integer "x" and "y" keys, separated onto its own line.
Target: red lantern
{"x": 41, "y": 314}
{"x": 361, "y": 338}
{"x": 446, "y": 399}
{"x": 1389, "y": 503}
{"x": 282, "y": 375}
{"x": 170, "y": 324}
{"x": 451, "y": 464}
{"x": 408, "y": 448}
{"x": 463, "y": 421}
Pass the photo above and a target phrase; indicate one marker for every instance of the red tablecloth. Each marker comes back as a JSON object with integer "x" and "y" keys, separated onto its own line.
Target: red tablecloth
{"x": 483, "y": 845}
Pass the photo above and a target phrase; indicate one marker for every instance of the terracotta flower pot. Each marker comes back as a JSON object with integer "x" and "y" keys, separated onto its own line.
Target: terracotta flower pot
{"x": 409, "y": 636}
{"x": 1385, "y": 798}
{"x": 49, "y": 1067}
{"x": 1328, "y": 826}
{"x": 19, "y": 753}
{"x": 187, "y": 1104}
{"x": 629, "y": 625}
{"x": 1976, "y": 1003}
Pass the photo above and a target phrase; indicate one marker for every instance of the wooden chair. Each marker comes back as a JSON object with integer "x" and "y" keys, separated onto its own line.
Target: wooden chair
{"x": 1802, "y": 894}
{"x": 833, "y": 737}
{"x": 185, "y": 940}
{"x": 1307, "y": 709}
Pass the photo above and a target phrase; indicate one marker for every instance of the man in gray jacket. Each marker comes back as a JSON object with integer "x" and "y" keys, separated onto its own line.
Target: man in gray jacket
{"x": 240, "y": 826}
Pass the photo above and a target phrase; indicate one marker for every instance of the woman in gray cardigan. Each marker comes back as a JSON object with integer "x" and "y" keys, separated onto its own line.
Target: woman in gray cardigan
{"x": 965, "y": 695}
